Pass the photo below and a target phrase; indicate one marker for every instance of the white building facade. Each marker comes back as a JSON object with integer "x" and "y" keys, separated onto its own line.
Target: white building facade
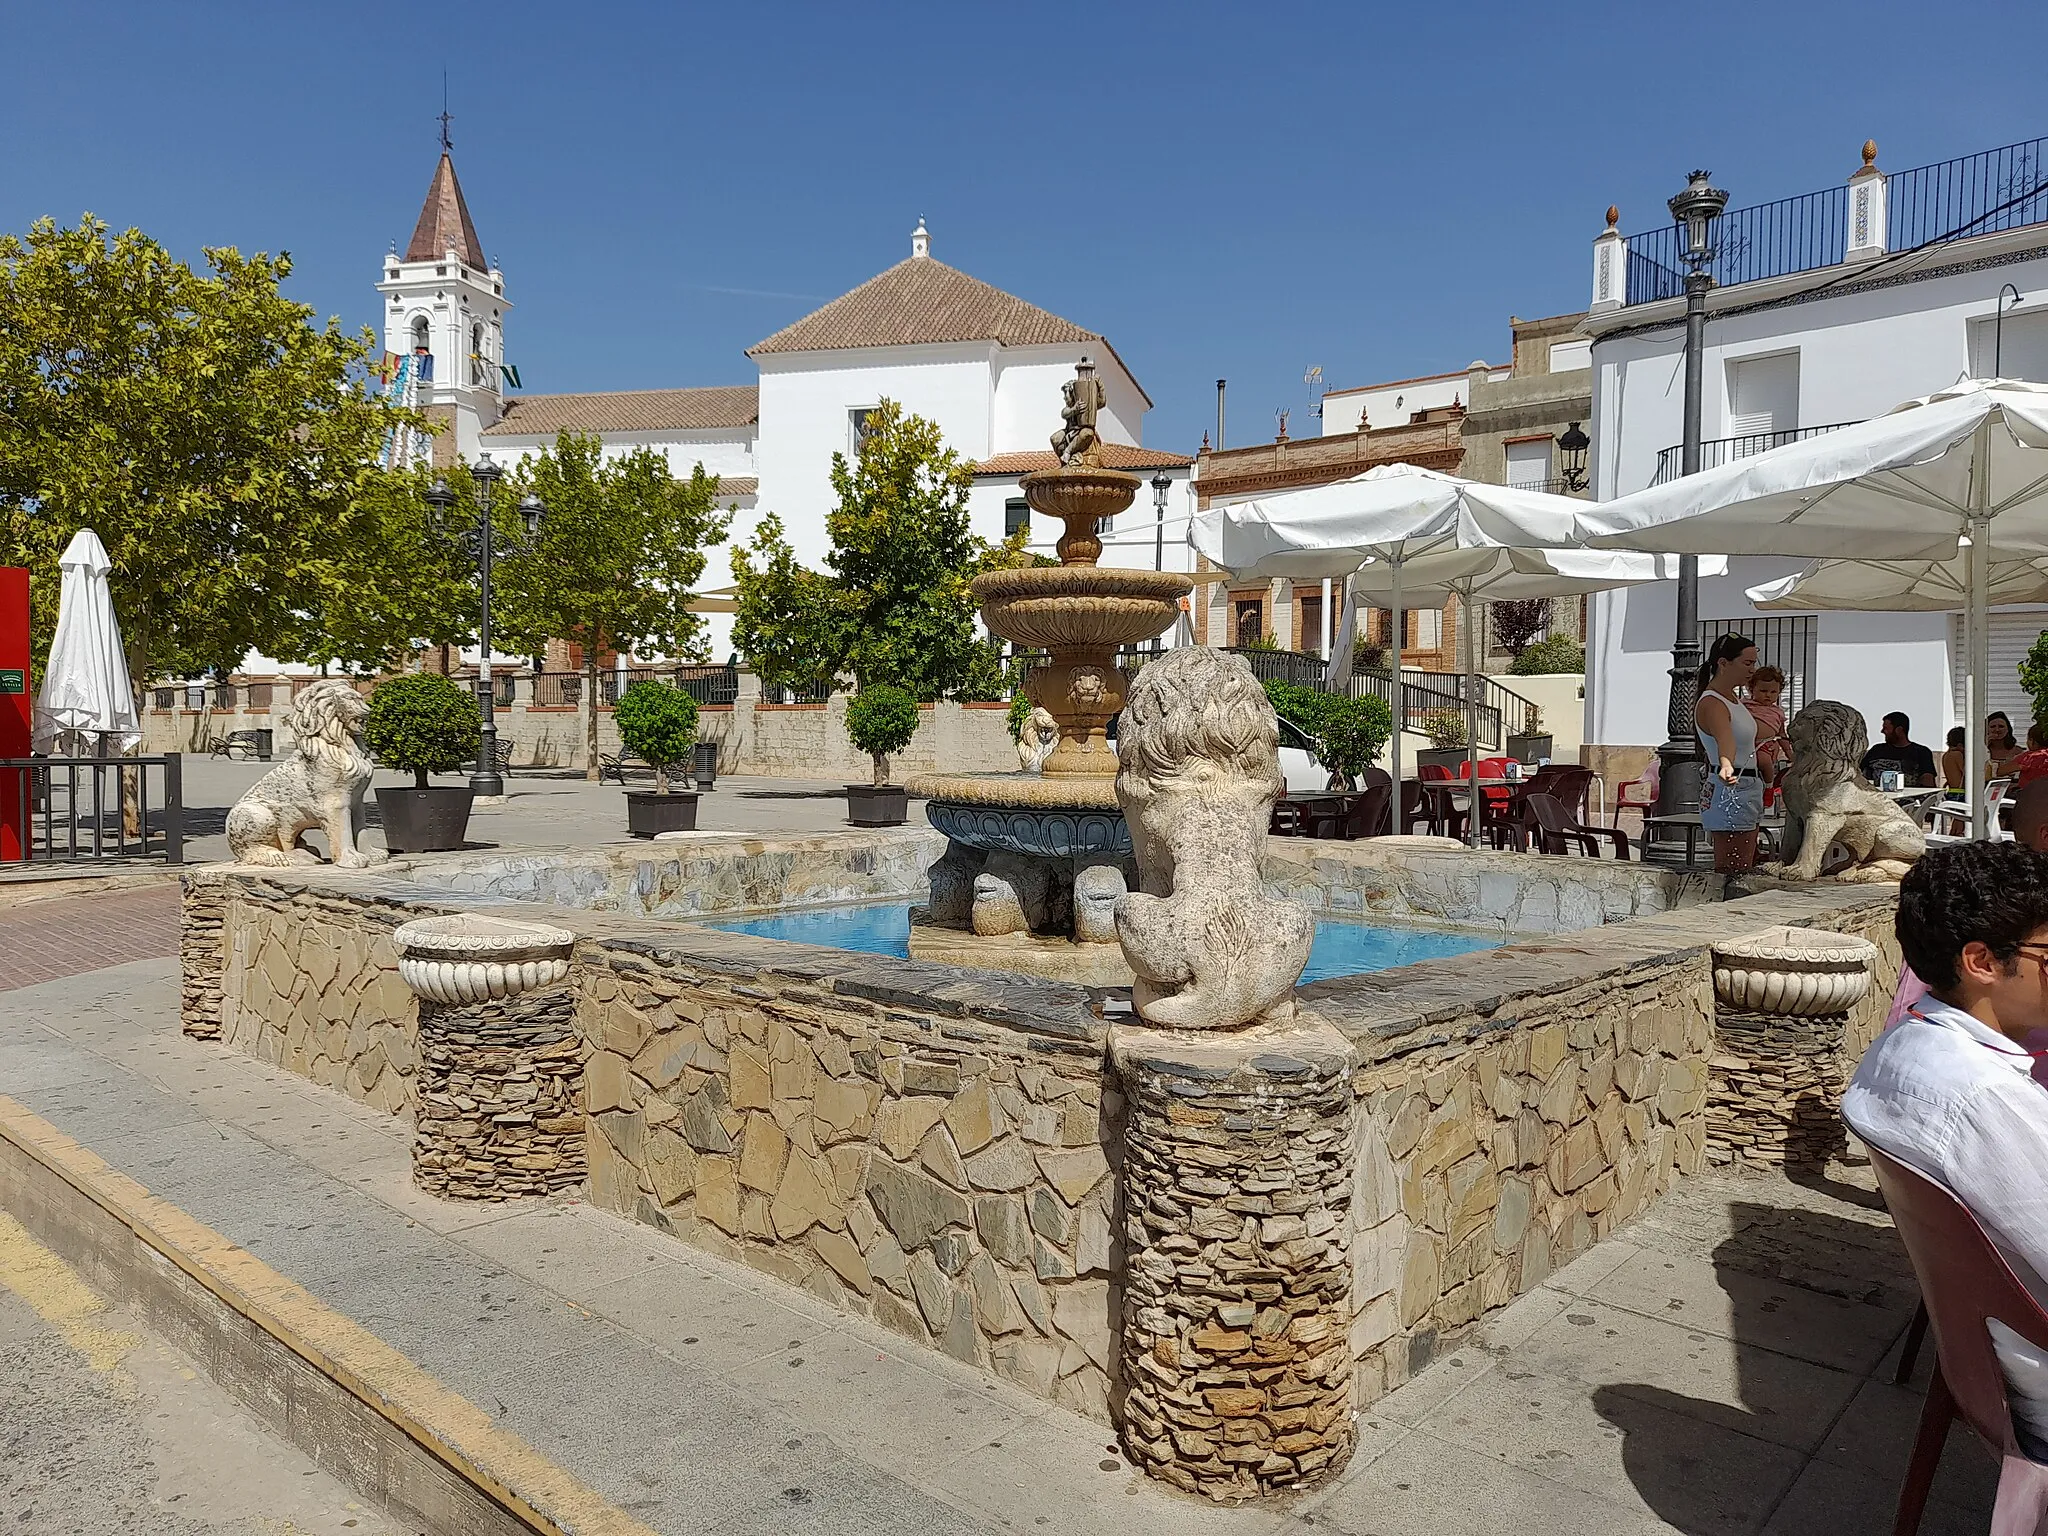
{"x": 1890, "y": 289}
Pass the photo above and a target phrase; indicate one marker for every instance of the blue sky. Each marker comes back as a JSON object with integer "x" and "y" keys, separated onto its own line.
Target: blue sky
{"x": 1224, "y": 190}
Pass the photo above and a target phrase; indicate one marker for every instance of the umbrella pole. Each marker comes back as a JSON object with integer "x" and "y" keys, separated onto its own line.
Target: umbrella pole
{"x": 1979, "y": 631}
{"x": 1471, "y": 722}
{"x": 1400, "y": 714}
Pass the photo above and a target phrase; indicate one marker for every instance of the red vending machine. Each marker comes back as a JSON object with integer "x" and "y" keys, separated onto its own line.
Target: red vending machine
{"x": 14, "y": 713}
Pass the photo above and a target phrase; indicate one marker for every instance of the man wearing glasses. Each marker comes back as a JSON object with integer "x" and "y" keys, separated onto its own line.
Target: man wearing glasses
{"x": 1955, "y": 1090}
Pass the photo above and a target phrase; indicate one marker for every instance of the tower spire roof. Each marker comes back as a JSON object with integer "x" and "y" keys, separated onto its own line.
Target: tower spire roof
{"x": 444, "y": 224}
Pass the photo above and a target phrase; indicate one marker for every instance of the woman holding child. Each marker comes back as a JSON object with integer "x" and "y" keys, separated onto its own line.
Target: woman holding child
{"x": 1732, "y": 800}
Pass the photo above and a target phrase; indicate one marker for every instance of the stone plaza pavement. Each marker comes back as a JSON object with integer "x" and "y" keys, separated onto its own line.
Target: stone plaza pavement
{"x": 547, "y": 808}
{"x": 1721, "y": 1365}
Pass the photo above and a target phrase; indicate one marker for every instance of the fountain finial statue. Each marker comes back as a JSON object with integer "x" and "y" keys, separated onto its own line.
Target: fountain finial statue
{"x": 1199, "y": 770}
{"x": 1076, "y": 442}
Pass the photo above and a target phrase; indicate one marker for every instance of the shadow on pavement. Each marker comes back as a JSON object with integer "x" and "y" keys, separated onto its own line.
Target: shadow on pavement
{"x": 1779, "y": 1339}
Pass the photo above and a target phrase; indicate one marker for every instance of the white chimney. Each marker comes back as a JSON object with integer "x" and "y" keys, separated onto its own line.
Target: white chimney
{"x": 920, "y": 240}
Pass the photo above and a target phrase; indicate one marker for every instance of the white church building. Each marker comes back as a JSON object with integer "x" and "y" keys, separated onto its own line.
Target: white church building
{"x": 985, "y": 366}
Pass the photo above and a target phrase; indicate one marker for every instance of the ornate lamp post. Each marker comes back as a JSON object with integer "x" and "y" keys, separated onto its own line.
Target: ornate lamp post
{"x": 1678, "y": 789}
{"x": 1161, "y": 486}
{"x": 1573, "y": 445}
{"x": 478, "y": 540}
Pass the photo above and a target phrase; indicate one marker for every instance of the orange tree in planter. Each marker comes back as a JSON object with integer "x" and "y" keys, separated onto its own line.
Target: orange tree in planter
{"x": 880, "y": 721}
{"x": 657, "y": 721}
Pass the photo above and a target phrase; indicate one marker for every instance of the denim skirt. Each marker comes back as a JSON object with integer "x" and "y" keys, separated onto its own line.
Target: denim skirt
{"x": 1736, "y": 807}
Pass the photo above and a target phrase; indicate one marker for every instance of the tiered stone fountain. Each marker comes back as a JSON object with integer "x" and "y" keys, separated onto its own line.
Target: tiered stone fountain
{"x": 1038, "y": 859}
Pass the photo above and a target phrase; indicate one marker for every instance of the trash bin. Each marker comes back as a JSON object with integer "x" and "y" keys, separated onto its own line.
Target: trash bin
{"x": 704, "y": 764}
{"x": 264, "y": 738}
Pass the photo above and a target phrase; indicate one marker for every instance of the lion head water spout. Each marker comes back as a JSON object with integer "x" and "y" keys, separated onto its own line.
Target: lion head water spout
{"x": 1037, "y": 859}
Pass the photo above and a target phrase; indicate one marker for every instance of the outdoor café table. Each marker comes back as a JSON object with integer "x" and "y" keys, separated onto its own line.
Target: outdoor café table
{"x": 1441, "y": 811}
{"x": 1311, "y": 803}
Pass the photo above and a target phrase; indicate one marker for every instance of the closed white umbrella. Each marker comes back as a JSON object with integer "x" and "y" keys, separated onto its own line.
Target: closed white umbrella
{"x": 1394, "y": 514}
{"x": 1966, "y": 466}
{"x": 85, "y": 684}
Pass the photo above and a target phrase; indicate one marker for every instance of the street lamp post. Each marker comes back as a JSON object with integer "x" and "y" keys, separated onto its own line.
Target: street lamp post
{"x": 1683, "y": 769}
{"x": 1161, "y": 486}
{"x": 1573, "y": 445}
{"x": 1998, "y": 330}
{"x": 485, "y": 779}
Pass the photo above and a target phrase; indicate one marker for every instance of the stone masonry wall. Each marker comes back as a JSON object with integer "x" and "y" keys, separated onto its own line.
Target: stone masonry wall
{"x": 915, "y": 1152}
{"x": 309, "y": 982}
{"x": 201, "y": 915}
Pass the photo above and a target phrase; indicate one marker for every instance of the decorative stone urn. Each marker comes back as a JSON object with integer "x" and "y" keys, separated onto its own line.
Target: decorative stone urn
{"x": 1798, "y": 972}
{"x": 500, "y": 1064}
{"x": 468, "y": 957}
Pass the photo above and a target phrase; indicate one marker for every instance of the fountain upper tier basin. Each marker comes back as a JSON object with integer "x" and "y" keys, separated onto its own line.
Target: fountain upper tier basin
{"x": 1079, "y": 606}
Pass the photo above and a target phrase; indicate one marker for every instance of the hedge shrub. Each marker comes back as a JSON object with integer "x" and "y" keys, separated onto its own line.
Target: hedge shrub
{"x": 422, "y": 723}
{"x": 880, "y": 720}
{"x": 657, "y": 722}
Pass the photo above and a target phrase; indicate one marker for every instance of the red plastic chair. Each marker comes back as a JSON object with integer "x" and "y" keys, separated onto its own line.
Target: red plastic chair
{"x": 1964, "y": 1280}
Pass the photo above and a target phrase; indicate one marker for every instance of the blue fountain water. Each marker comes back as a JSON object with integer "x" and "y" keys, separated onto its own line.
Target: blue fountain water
{"x": 883, "y": 928}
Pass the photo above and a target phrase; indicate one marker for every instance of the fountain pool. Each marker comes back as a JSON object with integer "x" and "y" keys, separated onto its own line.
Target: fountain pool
{"x": 1342, "y": 948}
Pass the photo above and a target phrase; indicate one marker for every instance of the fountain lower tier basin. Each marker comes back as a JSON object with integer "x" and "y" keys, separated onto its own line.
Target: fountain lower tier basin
{"x": 1342, "y": 948}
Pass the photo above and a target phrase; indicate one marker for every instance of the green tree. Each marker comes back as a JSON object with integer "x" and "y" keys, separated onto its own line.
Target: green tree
{"x": 880, "y": 721}
{"x": 422, "y": 723}
{"x": 658, "y": 721}
{"x": 393, "y": 582}
{"x": 616, "y": 561}
{"x": 199, "y": 422}
{"x": 892, "y": 605}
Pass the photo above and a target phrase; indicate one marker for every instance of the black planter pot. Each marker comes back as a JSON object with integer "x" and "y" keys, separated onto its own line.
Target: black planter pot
{"x": 1524, "y": 747}
{"x": 1452, "y": 758}
{"x": 424, "y": 820}
{"x": 877, "y": 805}
{"x": 648, "y": 813}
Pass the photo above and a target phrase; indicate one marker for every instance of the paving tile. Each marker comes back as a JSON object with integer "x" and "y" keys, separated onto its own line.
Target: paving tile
{"x": 572, "y": 1249}
{"x": 704, "y": 1320}
{"x": 906, "y": 1417}
{"x": 1429, "y": 1485}
{"x": 1755, "y": 1391}
{"x": 1443, "y": 1378}
{"x": 1592, "y": 1266}
{"x": 1710, "y": 1298}
{"x": 1875, "y": 1436}
{"x": 44, "y": 941}
{"x": 1831, "y": 1498}
{"x": 1624, "y": 1447}
{"x": 1514, "y": 1323}
{"x": 1060, "y": 1475}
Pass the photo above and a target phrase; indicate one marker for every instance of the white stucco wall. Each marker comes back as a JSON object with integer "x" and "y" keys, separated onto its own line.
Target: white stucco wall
{"x": 1390, "y": 405}
{"x": 1028, "y": 384}
{"x": 1859, "y": 354}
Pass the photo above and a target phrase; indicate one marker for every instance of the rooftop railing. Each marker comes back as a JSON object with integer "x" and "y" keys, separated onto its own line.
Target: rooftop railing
{"x": 1980, "y": 194}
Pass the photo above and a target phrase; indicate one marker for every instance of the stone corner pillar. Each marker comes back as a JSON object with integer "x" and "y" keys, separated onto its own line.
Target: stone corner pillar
{"x": 500, "y": 1080}
{"x": 1237, "y": 1169}
{"x": 202, "y": 954}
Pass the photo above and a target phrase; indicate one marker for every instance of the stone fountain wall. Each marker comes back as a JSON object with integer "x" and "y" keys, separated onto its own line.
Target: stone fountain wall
{"x": 940, "y": 1150}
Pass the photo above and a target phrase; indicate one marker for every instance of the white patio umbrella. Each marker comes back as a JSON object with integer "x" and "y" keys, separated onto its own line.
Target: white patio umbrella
{"x": 1966, "y": 468}
{"x": 1511, "y": 574}
{"x": 1902, "y": 586}
{"x": 1394, "y": 514}
{"x": 85, "y": 684}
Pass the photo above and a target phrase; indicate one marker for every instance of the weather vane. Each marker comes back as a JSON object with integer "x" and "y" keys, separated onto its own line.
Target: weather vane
{"x": 446, "y": 117}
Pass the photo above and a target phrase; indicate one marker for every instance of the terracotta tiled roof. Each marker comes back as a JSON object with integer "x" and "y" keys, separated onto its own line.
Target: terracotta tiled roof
{"x": 1114, "y": 456}
{"x": 632, "y": 410}
{"x": 920, "y": 300}
{"x": 444, "y": 224}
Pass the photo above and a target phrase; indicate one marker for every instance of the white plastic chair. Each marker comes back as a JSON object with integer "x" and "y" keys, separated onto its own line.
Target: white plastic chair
{"x": 1948, "y": 821}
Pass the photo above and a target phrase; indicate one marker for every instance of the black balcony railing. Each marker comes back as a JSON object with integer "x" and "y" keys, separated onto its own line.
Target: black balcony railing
{"x": 69, "y": 810}
{"x": 1719, "y": 450}
{"x": 1978, "y": 194}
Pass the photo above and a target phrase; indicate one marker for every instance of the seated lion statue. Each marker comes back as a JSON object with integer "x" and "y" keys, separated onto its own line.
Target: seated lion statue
{"x": 1836, "y": 826}
{"x": 321, "y": 785}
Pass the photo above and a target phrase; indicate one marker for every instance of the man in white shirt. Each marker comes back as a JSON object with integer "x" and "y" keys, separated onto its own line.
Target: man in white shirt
{"x": 1950, "y": 1090}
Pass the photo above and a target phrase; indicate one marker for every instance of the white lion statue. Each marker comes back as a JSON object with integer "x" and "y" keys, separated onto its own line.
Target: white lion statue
{"x": 321, "y": 786}
{"x": 1836, "y": 826}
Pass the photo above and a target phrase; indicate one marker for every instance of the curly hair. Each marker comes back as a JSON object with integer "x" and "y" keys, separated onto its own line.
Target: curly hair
{"x": 1994, "y": 894}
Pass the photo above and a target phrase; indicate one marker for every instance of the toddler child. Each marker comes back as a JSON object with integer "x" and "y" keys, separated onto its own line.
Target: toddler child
{"x": 1773, "y": 751}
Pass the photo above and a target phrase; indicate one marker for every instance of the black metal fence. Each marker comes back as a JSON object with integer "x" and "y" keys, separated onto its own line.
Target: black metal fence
{"x": 1422, "y": 692}
{"x": 1978, "y": 194}
{"x": 1719, "y": 450}
{"x": 71, "y": 810}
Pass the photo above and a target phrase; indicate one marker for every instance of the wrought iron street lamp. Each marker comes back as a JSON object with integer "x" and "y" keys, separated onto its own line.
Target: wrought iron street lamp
{"x": 480, "y": 542}
{"x": 1998, "y": 330}
{"x": 1162, "y": 484}
{"x": 1573, "y": 446}
{"x": 1697, "y": 210}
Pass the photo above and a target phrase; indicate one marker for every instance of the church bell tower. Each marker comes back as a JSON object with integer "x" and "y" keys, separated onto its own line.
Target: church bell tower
{"x": 444, "y": 312}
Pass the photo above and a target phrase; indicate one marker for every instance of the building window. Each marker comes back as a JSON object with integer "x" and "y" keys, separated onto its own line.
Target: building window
{"x": 479, "y": 366}
{"x": 1250, "y": 627}
{"x": 1529, "y": 463}
{"x": 419, "y": 333}
{"x": 1016, "y": 514}
{"x": 857, "y": 428}
{"x": 1763, "y": 402}
{"x": 2017, "y": 350}
{"x": 1308, "y": 634}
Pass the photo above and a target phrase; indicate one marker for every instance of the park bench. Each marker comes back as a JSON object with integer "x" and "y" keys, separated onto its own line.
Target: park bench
{"x": 246, "y": 742}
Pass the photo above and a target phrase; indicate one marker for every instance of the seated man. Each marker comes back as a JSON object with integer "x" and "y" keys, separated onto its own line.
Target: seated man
{"x": 1899, "y": 750}
{"x": 1950, "y": 1092}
